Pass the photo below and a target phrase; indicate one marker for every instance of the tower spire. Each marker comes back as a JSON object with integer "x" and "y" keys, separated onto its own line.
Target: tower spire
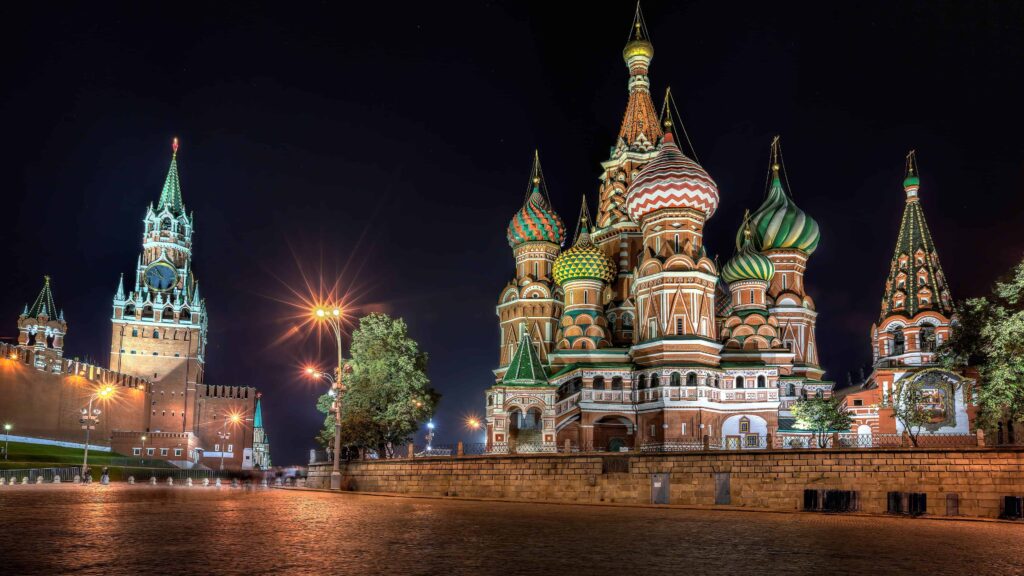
{"x": 170, "y": 196}
{"x": 916, "y": 281}
{"x": 44, "y": 302}
{"x": 640, "y": 129}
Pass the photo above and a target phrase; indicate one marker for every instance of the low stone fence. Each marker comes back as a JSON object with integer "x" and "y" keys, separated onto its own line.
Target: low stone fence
{"x": 767, "y": 479}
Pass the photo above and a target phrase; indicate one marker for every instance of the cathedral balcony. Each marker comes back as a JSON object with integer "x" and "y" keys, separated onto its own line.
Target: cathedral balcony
{"x": 568, "y": 404}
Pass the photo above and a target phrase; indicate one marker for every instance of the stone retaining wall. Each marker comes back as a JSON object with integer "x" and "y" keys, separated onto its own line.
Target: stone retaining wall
{"x": 773, "y": 480}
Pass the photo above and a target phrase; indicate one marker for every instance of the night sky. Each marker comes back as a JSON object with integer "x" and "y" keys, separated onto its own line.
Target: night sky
{"x": 392, "y": 144}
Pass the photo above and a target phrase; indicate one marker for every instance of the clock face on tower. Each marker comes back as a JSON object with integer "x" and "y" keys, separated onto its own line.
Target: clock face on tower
{"x": 161, "y": 277}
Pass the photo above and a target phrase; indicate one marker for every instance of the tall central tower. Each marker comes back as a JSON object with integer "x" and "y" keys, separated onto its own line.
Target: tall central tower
{"x": 617, "y": 234}
{"x": 159, "y": 324}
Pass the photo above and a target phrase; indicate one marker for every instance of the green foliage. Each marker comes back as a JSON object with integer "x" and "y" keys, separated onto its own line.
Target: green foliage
{"x": 909, "y": 403}
{"x": 387, "y": 393}
{"x": 989, "y": 336}
{"x": 821, "y": 416}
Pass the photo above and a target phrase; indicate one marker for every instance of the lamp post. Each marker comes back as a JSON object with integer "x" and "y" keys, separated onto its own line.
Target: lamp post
{"x": 143, "y": 449}
{"x": 7, "y": 432}
{"x": 430, "y": 434}
{"x": 331, "y": 315}
{"x": 224, "y": 435}
{"x": 90, "y": 416}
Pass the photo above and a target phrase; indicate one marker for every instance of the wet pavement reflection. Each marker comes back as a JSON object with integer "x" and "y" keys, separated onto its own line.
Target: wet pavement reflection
{"x": 180, "y": 530}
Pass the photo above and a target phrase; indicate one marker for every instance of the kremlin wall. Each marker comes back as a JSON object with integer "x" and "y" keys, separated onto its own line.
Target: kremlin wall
{"x": 47, "y": 404}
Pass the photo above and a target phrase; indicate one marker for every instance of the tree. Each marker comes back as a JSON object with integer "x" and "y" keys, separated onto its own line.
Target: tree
{"x": 821, "y": 416}
{"x": 989, "y": 336}
{"x": 388, "y": 394}
{"x": 910, "y": 401}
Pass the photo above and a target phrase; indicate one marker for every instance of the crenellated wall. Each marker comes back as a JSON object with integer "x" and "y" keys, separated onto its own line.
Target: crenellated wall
{"x": 48, "y": 403}
{"x": 771, "y": 480}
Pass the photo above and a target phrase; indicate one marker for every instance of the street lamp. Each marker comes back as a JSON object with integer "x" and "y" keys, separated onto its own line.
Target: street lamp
{"x": 331, "y": 315}
{"x": 90, "y": 416}
{"x": 224, "y": 435}
{"x": 143, "y": 449}
{"x": 430, "y": 434}
{"x": 7, "y": 432}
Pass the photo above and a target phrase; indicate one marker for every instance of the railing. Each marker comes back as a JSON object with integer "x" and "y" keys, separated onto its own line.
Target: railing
{"x": 17, "y": 475}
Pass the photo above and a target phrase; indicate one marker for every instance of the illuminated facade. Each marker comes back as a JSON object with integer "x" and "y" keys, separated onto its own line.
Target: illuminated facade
{"x": 632, "y": 336}
{"x": 158, "y": 346}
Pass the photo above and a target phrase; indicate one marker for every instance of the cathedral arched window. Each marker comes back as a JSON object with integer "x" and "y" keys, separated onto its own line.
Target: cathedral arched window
{"x": 927, "y": 338}
{"x": 739, "y": 382}
{"x": 675, "y": 379}
{"x": 611, "y": 321}
{"x": 156, "y": 333}
{"x": 165, "y": 224}
{"x": 147, "y": 312}
{"x": 168, "y": 314}
{"x": 642, "y": 383}
{"x": 617, "y": 383}
{"x": 762, "y": 382}
{"x": 791, "y": 390}
{"x": 654, "y": 380}
{"x": 186, "y": 315}
{"x": 627, "y": 321}
{"x": 135, "y": 332}
{"x": 898, "y": 341}
{"x": 691, "y": 379}
{"x": 598, "y": 382}
{"x": 818, "y": 394}
{"x": 129, "y": 310}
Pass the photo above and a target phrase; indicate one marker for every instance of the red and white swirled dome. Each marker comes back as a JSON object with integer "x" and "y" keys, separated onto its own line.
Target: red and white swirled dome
{"x": 671, "y": 180}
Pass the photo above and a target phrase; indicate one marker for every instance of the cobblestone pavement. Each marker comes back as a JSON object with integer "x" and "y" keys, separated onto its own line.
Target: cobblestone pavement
{"x": 164, "y": 530}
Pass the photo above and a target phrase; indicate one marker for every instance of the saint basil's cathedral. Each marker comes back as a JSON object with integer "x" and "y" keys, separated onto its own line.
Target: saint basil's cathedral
{"x": 634, "y": 337}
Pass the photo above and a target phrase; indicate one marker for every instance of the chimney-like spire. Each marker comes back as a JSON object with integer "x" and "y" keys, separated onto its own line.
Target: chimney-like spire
{"x": 120, "y": 288}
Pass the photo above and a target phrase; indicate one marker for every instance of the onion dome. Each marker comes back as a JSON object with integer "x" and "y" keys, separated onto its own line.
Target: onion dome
{"x": 747, "y": 263}
{"x": 583, "y": 260}
{"x": 779, "y": 223}
{"x": 638, "y": 46}
{"x": 536, "y": 221}
{"x": 671, "y": 180}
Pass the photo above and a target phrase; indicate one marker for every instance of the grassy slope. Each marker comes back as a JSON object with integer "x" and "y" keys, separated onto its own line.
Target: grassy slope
{"x": 23, "y": 455}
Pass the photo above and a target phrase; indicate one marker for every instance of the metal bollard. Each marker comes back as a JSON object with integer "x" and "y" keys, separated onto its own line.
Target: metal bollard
{"x": 206, "y": 481}
{"x": 170, "y": 481}
{"x": 218, "y": 483}
{"x": 3, "y": 481}
{"x": 24, "y": 480}
{"x": 188, "y": 482}
{"x": 152, "y": 480}
{"x": 234, "y": 482}
{"x": 131, "y": 479}
{"x": 39, "y": 479}
{"x": 56, "y": 479}
{"x": 76, "y": 479}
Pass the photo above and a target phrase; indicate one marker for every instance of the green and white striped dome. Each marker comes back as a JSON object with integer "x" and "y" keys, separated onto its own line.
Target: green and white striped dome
{"x": 747, "y": 263}
{"x": 780, "y": 224}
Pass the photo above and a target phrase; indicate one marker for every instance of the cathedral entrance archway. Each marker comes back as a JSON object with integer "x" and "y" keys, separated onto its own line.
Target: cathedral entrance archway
{"x": 613, "y": 433}
{"x": 524, "y": 430}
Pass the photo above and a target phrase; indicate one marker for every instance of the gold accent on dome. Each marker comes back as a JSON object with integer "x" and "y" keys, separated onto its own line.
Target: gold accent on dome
{"x": 639, "y": 47}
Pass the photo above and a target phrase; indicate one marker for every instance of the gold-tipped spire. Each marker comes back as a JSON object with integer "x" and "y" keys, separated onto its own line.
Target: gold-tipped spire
{"x": 667, "y": 114}
{"x": 775, "y": 155}
{"x": 638, "y": 44}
